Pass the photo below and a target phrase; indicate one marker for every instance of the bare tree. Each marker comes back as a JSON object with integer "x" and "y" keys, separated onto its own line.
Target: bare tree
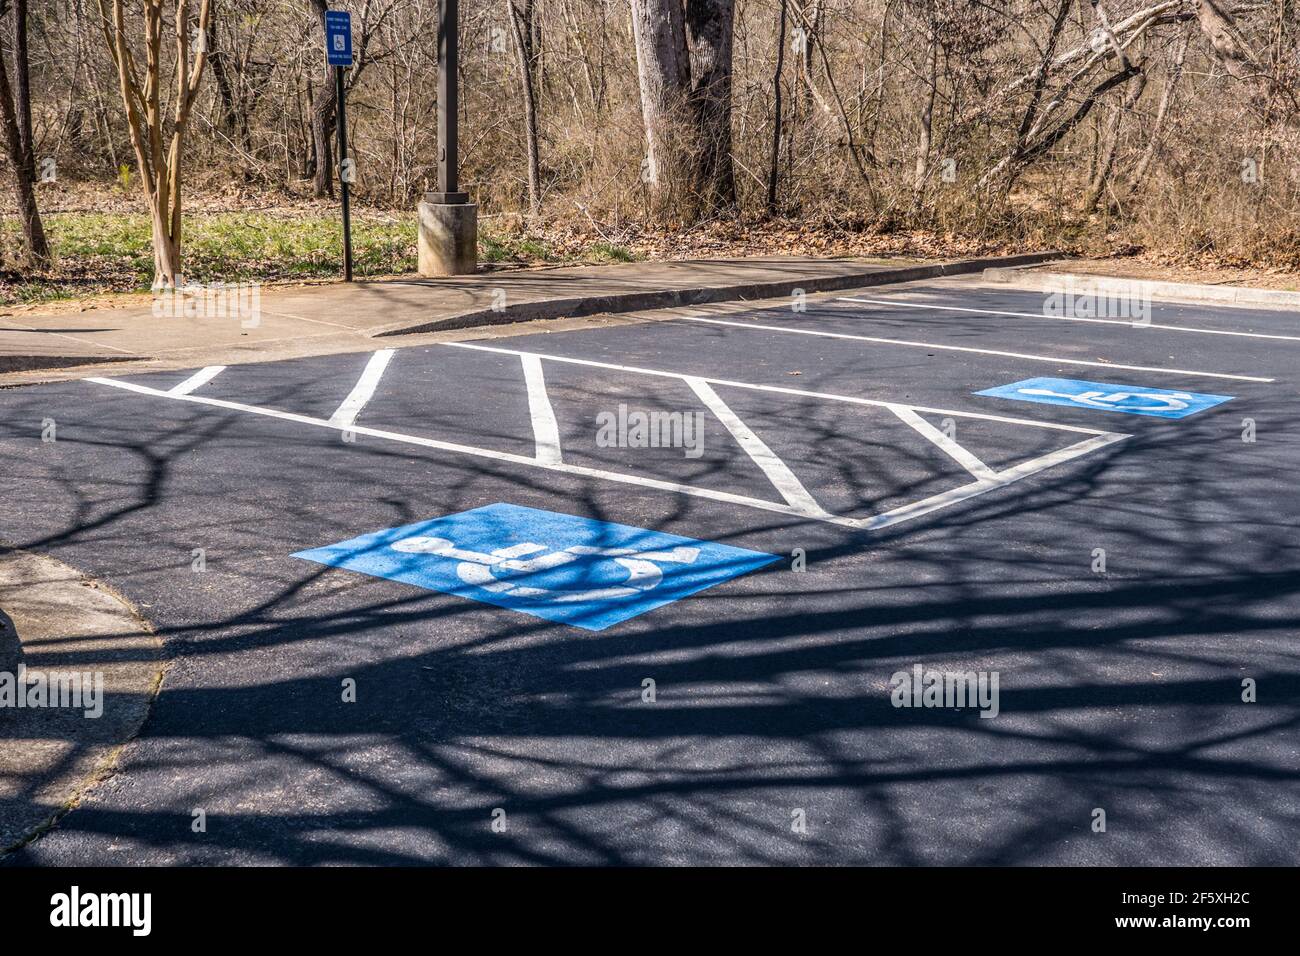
{"x": 684, "y": 64}
{"x": 157, "y": 140}
{"x": 1162, "y": 112}
{"x": 664, "y": 72}
{"x": 521, "y": 24}
{"x": 773, "y": 167}
{"x": 710, "y": 27}
{"x": 323, "y": 112}
{"x": 1106, "y": 162}
{"x": 23, "y": 85}
{"x": 15, "y": 113}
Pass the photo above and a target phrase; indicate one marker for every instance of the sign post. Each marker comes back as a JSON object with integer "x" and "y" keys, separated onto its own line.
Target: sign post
{"x": 338, "y": 54}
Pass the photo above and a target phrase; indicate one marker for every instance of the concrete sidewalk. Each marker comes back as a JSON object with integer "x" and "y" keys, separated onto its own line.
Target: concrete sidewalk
{"x": 61, "y": 623}
{"x": 320, "y": 320}
{"x": 1086, "y": 276}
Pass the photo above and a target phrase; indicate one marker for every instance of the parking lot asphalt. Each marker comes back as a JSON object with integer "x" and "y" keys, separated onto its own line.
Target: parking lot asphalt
{"x": 1127, "y": 579}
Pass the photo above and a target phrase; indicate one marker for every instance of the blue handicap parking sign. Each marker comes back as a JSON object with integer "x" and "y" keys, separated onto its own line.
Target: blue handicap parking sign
{"x": 566, "y": 569}
{"x": 1131, "y": 399}
{"x": 338, "y": 38}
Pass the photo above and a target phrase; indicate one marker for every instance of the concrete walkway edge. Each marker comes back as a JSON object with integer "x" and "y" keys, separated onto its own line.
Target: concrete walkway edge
{"x": 67, "y": 624}
{"x": 1186, "y": 291}
{"x": 575, "y": 307}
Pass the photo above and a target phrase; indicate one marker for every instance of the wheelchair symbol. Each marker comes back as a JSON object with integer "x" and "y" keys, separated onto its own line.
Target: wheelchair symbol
{"x": 492, "y": 572}
{"x": 1173, "y": 402}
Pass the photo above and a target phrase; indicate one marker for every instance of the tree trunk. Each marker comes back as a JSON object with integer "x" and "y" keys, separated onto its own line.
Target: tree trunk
{"x": 709, "y": 31}
{"x": 521, "y": 21}
{"x": 23, "y": 87}
{"x": 927, "y": 115}
{"x": 773, "y": 169}
{"x": 1107, "y": 160}
{"x": 229, "y": 118}
{"x": 1162, "y": 111}
{"x": 35, "y": 243}
{"x": 322, "y": 118}
{"x": 664, "y": 74}
{"x": 166, "y": 251}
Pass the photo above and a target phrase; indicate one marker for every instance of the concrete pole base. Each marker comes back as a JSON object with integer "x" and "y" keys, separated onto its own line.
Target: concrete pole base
{"x": 448, "y": 243}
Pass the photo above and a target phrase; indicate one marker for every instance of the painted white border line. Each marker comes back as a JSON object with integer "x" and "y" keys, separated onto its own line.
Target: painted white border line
{"x": 363, "y": 391}
{"x": 1001, "y": 479}
{"x": 781, "y": 390}
{"x": 546, "y": 431}
{"x": 904, "y": 513}
{"x": 986, "y": 478}
{"x": 965, "y": 348}
{"x": 875, "y": 522}
{"x": 488, "y": 453}
{"x": 1074, "y": 318}
{"x": 199, "y": 378}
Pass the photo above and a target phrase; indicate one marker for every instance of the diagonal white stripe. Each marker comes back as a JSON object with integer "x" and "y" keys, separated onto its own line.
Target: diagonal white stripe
{"x": 201, "y": 377}
{"x": 363, "y": 391}
{"x": 949, "y": 447}
{"x": 792, "y": 490}
{"x": 1001, "y": 479}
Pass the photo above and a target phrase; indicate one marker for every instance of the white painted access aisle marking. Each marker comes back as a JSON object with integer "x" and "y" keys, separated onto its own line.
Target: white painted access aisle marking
{"x": 546, "y": 431}
{"x": 487, "y": 453}
{"x": 797, "y": 496}
{"x": 777, "y": 472}
{"x": 1054, "y": 360}
{"x": 364, "y": 390}
{"x": 796, "y": 505}
{"x": 201, "y": 377}
{"x": 1073, "y": 318}
{"x": 782, "y": 390}
{"x": 948, "y": 445}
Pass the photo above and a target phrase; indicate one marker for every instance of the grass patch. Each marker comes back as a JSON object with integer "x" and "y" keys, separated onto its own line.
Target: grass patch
{"x": 113, "y": 252}
{"x": 608, "y": 252}
{"x": 100, "y": 252}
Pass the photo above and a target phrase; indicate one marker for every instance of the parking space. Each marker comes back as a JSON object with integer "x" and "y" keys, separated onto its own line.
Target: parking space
{"x": 766, "y": 514}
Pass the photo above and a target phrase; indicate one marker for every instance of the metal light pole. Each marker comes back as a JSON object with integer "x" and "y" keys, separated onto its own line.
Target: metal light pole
{"x": 449, "y": 104}
{"x": 448, "y": 239}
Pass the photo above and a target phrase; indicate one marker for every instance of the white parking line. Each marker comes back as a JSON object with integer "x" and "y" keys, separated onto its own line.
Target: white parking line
{"x": 782, "y": 390}
{"x": 950, "y": 447}
{"x": 488, "y": 453}
{"x": 782, "y": 478}
{"x": 546, "y": 431}
{"x": 201, "y": 377}
{"x": 1073, "y": 318}
{"x": 364, "y": 390}
{"x": 796, "y": 505}
{"x": 1002, "y": 478}
{"x": 1052, "y": 359}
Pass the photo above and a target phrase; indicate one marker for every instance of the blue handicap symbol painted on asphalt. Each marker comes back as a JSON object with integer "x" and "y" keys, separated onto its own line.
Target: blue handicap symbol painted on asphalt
{"x": 566, "y": 569}
{"x": 1131, "y": 399}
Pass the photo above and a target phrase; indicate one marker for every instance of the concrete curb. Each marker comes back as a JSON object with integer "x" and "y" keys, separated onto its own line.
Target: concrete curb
{"x": 1188, "y": 291}
{"x": 677, "y": 298}
{"x": 64, "y": 622}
